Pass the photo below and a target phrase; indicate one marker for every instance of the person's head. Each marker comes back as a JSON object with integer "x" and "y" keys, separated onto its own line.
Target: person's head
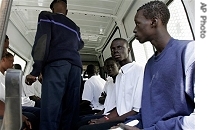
{"x": 6, "y": 62}
{"x": 6, "y": 44}
{"x": 17, "y": 66}
{"x": 151, "y": 19}
{"x": 91, "y": 70}
{"x": 59, "y": 6}
{"x": 111, "y": 66}
{"x": 120, "y": 51}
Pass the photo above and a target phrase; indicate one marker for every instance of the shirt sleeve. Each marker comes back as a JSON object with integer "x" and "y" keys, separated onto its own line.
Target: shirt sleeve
{"x": 27, "y": 102}
{"x": 105, "y": 87}
{"x": 40, "y": 48}
{"x": 189, "y": 122}
{"x": 138, "y": 92}
{"x": 81, "y": 45}
{"x": 2, "y": 92}
{"x": 88, "y": 91}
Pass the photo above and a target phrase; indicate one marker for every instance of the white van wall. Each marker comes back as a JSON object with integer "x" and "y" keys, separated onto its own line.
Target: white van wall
{"x": 125, "y": 28}
{"x": 17, "y": 42}
{"x": 19, "y": 45}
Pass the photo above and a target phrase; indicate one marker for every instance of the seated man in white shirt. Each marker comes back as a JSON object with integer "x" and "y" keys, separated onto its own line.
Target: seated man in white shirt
{"x": 6, "y": 62}
{"x": 92, "y": 90}
{"x": 33, "y": 91}
{"x": 26, "y": 101}
{"x": 37, "y": 86}
{"x": 112, "y": 69}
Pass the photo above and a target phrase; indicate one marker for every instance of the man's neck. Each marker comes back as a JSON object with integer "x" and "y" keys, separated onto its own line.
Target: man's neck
{"x": 124, "y": 62}
{"x": 2, "y": 70}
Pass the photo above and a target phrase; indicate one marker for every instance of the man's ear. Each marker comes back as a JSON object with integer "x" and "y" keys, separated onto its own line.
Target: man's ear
{"x": 129, "y": 50}
{"x": 66, "y": 11}
{"x": 53, "y": 10}
{"x": 3, "y": 59}
{"x": 154, "y": 22}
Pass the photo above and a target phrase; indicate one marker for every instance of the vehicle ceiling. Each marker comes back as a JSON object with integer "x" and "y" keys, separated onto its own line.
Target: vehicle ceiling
{"x": 96, "y": 19}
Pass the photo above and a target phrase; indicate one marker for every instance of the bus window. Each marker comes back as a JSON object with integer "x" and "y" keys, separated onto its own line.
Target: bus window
{"x": 142, "y": 52}
{"x": 178, "y": 25}
{"x": 18, "y": 60}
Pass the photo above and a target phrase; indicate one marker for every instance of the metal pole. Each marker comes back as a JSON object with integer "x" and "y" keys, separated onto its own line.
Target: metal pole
{"x": 5, "y": 8}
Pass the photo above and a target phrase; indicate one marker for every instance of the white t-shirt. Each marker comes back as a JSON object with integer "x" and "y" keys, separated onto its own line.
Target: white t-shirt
{"x": 30, "y": 90}
{"x": 109, "y": 103}
{"x": 2, "y": 87}
{"x": 25, "y": 100}
{"x": 37, "y": 88}
{"x": 26, "y": 88}
{"x": 92, "y": 91}
{"x": 129, "y": 84}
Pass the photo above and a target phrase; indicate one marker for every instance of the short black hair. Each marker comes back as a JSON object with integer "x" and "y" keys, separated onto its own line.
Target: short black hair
{"x": 91, "y": 69}
{"x": 7, "y": 55}
{"x": 156, "y": 9}
{"x": 122, "y": 39}
{"x": 17, "y": 66}
{"x": 111, "y": 59}
{"x": 54, "y": 1}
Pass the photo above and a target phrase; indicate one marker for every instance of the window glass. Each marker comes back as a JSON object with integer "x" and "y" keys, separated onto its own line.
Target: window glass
{"x": 142, "y": 52}
{"x": 178, "y": 25}
{"x": 18, "y": 60}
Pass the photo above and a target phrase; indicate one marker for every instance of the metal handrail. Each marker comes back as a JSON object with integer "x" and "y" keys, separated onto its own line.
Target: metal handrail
{"x": 12, "y": 119}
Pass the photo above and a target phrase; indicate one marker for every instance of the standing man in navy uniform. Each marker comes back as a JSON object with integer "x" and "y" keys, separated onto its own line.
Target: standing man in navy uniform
{"x": 55, "y": 54}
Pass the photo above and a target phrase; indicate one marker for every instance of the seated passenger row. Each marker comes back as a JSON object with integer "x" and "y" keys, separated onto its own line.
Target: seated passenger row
{"x": 31, "y": 95}
{"x": 125, "y": 89}
{"x": 30, "y": 115}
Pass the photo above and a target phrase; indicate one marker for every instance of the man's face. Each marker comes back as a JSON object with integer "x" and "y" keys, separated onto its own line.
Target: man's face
{"x": 8, "y": 62}
{"x": 143, "y": 28}
{"x": 111, "y": 68}
{"x": 119, "y": 50}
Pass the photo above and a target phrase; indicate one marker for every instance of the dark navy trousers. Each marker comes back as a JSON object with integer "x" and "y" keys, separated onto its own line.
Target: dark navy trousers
{"x": 33, "y": 115}
{"x": 60, "y": 96}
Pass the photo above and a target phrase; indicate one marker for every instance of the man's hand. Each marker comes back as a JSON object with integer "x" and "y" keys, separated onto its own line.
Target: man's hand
{"x": 35, "y": 98}
{"x": 97, "y": 121}
{"x": 30, "y": 79}
{"x": 27, "y": 123}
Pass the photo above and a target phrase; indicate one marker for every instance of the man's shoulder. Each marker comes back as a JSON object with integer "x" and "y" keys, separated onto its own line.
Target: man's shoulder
{"x": 136, "y": 65}
{"x": 96, "y": 77}
{"x": 184, "y": 42}
{"x": 185, "y": 45}
{"x": 45, "y": 13}
{"x": 132, "y": 67}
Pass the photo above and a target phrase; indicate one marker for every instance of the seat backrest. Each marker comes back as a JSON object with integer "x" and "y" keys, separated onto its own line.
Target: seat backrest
{"x": 12, "y": 119}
